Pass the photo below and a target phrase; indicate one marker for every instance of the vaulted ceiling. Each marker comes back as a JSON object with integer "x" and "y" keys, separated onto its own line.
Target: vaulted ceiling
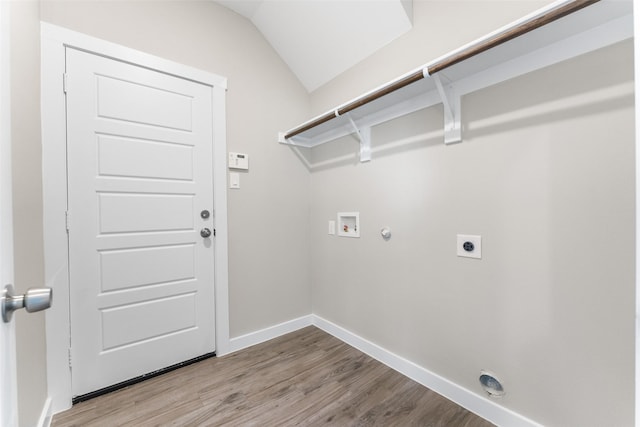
{"x": 320, "y": 39}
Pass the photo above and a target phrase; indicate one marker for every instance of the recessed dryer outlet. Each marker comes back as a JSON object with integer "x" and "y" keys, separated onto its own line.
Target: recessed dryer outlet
{"x": 349, "y": 224}
{"x": 469, "y": 246}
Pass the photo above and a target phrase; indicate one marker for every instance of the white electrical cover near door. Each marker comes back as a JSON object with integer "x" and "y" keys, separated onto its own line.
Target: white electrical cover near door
{"x": 139, "y": 174}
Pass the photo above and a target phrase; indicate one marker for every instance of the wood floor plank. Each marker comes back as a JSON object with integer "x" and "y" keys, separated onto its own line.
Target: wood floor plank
{"x": 306, "y": 378}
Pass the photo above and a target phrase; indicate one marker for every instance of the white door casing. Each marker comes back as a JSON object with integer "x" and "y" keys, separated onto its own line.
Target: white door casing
{"x": 8, "y": 379}
{"x": 139, "y": 174}
{"x": 54, "y": 41}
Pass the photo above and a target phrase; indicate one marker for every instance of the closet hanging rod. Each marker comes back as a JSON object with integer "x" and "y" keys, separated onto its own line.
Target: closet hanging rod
{"x": 513, "y": 33}
{"x": 448, "y": 61}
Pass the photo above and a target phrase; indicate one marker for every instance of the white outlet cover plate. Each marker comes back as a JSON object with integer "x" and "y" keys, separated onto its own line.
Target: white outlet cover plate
{"x": 234, "y": 180}
{"x": 477, "y": 246}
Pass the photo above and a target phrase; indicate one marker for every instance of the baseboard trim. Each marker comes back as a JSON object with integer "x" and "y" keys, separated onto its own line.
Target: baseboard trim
{"x": 269, "y": 333}
{"x": 45, "y": 415}
{"x": 475, "y": 403}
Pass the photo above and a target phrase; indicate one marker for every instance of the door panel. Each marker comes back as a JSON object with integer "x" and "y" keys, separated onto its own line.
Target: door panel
{"x": 144, "y": 104}
{"x": 135, "y": 323}
{"x": 140, "y": 172}
{"x": 130, "y": 268}
{"x": 145, "y": 212}
{"x": 117, "y": 157}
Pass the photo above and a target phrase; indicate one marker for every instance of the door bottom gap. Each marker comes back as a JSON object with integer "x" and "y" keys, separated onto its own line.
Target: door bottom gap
{"x": 132, "y": 381}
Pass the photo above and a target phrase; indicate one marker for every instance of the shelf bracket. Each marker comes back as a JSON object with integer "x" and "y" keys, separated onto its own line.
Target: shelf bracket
{"x": 364, "y": 136}
{"x": 452, "y": 111}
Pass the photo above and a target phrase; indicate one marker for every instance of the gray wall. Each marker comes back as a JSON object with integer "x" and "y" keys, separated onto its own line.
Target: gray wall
{"x": 546, "y": 175}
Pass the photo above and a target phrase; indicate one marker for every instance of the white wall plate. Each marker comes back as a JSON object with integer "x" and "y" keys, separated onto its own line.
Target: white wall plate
{"x": 469, "y": 246}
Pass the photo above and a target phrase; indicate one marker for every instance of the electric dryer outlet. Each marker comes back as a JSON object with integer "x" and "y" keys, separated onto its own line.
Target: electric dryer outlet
{"x": 469, "y": 246}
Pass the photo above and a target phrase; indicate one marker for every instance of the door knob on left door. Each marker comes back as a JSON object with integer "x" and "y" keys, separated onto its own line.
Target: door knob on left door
{"x": 35, "y": 299}
{"x": 205, "y": 232}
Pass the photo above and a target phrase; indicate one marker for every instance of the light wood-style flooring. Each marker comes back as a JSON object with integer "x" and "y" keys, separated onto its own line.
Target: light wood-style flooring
{"x": 306, "y": 378}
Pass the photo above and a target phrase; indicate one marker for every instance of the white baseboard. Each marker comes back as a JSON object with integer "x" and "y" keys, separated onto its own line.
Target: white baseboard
{"x": 469, "y": 400}
{"x": 475, "y": 403}
{"x": 45, "y": 415}
{"x": 269, "y": 333}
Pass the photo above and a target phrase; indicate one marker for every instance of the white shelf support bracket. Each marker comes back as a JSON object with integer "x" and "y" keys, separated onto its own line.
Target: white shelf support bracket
{"x": 452, "y": 111}
{"x": 364, "y": 135}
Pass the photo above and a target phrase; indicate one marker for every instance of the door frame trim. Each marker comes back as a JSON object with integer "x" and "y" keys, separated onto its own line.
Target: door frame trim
{"x": 54, "y": 40}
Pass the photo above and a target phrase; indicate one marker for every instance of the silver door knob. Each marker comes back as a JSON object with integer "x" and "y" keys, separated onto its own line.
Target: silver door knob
{"x": 205, "y": 232}
{"x": 35, "y": 299}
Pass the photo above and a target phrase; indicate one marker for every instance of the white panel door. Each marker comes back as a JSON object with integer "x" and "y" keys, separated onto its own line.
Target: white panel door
{"x": 139, "y": 176}
{"x": 8, "y": 378}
